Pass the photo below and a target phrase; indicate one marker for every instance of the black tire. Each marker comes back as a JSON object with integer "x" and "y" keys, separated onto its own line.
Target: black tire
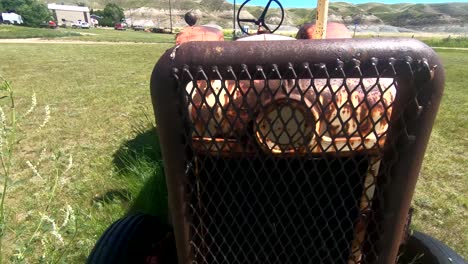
{"x": 136, "y": 238}
{"x": 424, "y": 249}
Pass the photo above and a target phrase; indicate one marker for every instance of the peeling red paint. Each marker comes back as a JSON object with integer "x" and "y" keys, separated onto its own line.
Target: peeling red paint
{"x": 349, "y": 113}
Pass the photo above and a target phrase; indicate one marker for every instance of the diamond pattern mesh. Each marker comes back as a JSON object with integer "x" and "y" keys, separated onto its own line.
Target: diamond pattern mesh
{"x": 283, "y": 166}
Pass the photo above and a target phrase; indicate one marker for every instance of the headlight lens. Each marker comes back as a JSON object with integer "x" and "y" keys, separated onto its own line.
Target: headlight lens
{"x": 285, "y": 126}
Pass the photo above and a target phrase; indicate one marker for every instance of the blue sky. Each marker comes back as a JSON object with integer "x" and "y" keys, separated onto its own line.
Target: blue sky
{"x": 313, "y": 3}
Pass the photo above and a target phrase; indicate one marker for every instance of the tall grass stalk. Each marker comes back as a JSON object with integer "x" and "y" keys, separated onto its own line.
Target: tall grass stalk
{"x": 52, "y": 241}
{"x": 50, "y": 255}
{"x": 8, "y": 140}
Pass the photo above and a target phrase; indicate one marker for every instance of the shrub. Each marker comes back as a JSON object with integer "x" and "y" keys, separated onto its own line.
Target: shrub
{"x": 32, "y": 11}
{"x": 110, "y": 15}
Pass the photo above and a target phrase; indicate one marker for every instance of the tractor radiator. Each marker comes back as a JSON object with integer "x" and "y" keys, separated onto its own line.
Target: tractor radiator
{"x": 293, "y": 151}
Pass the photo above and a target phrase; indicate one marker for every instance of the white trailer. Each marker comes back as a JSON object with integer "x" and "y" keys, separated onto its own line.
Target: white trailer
{"x": 11, "y": 18}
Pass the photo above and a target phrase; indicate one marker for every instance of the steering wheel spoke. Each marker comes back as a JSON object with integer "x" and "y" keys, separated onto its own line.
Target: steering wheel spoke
{"x": 260, "y": 21}
{"x": 263, "y": 15}
{"x": 248, "y": 20}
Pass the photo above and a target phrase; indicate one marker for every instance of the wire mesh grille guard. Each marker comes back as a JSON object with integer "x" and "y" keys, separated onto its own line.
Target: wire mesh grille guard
{"x": 281, "y": 199}
{"x": 293, "y": 161}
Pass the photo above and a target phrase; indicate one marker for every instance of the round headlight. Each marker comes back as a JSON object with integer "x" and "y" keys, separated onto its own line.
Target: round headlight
{"x": 285, "y": 126}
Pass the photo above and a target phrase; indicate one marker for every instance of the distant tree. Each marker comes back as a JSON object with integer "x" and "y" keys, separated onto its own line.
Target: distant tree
{"x": 32, "y": 11}
{"x": 110, "y": 15}
{"x": 96, "y": 12}
{"x": 114, "y": 11}
{"x": 10, "y": 5}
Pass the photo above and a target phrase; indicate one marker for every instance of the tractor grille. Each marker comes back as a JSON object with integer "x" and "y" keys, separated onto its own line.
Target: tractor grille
{"x": 303, "y": 161}
{"x": 275, "y": 210}
{"x": 282, "y": 169}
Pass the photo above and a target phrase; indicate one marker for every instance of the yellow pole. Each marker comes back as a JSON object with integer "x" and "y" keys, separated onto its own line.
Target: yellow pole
{"x": 321, "y": 20}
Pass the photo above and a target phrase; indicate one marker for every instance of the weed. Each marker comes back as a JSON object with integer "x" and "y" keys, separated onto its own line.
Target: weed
{"x": 43, "y": 228}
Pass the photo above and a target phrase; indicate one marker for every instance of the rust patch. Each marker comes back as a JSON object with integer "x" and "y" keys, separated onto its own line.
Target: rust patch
{"x": 349, "y": 113}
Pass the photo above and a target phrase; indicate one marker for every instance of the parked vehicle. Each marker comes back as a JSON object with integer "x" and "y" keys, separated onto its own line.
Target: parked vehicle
{"x": 95, "y": 20}
{"x": 120, "y": 26}
{"x": 80, "y": 24}
{"x": 157, "y": 30}
{"x": 138, "y": 28}
{"x": 51, "y": 24}
{"x": 161, "y": 30}
{"x": 11, "y": 18}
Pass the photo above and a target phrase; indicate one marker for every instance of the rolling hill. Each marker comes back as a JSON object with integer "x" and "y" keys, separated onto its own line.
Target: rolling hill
{"x": 448, "y": 17}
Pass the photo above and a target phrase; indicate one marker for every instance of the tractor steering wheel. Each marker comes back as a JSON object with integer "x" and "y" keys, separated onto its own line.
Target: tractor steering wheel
{"x": 260, "y": 22}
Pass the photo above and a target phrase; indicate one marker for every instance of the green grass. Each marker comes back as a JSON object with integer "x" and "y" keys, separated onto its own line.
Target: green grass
{"x": 10, "y": 31}
{"x": 101, "y": 113}
{"x": 453, "y": 42}
{"x": 99, "y": 96}
{"x": 93, "y": 34}
{"x": 110, "y": 35}
{"x": 123, "y": 36}
{"x": 441, "y": 199}
{"x": 433, "y": 41}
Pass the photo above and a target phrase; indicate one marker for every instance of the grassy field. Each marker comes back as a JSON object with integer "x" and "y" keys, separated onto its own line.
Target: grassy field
{"x": 441, "y": 199}
{"x": 110, "y": 35}
{"x": 10, "y": 31}
{"x": 431, "y": 39}
{"x": 453, "y": 42}
{"x": 93, "y": 34}
{"x": 99, "y": 98}
{"x": 123, "y": 36}
{"x": 101, "y": 115}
